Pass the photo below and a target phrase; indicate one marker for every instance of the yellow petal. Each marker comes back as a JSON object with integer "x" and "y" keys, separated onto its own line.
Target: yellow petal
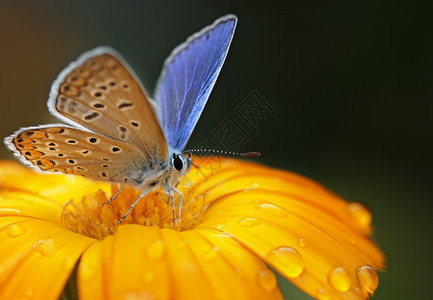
{"x": 151, "y": 263}
{"x": 22, "y": 203}
{"x": 209, "y": 265}
{"x": 36, "y": 258}
{"x": 56, "y": 187}
{"x": 130, "y": 264}
{"x": 306, "y": 233}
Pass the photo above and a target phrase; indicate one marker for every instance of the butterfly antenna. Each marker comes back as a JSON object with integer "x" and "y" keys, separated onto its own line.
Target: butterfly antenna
{"x": 221, "y": 152}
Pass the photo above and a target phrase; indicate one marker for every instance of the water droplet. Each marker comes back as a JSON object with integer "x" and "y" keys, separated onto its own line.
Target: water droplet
{"x": 87, "y": 271}
{"x": 301, "y": 242}
{"x": 368, "y": 279}
{"x": 267, "y": 280}
{"x": 288, "y": 260}
{"x": 135, "y": 295}
{"x": 248, "y": 222}
{"x": 149, "y": 276}
{"x": 211, "y": 255}
{"x": 156, "y": 250}
{"x": 360, "y": 213}
{"x": 273, "y": 210}
{"x": 187, "y": 267}
{"x": 29, "y": 293}
{"x": 16, "y": 230}
{"x": 339, "y": 279}
{"x": 322, "y": 294}
{"x": 69, "y": 262}
{"x": 46, "y": 247}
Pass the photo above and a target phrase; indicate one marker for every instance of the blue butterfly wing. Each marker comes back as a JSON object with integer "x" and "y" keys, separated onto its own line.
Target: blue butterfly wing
{"x": 188, "y": 77}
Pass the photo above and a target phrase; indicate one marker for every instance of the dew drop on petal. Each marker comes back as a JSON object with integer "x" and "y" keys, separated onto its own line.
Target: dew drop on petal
{"x": 149, "y": 276}
{"x": 156, "y": 250}
{"x": 322, "y": 294}
{"x": 286, "y": 259}
{"x": 141, "y": 295}
{"x": 368, "y": 279}
{"x": 301, "y": 242}
{"x": 248, "y": 222}
{"x": 69, "y": 262}
{"x": 187, "y": 267}
{"x": 339, "y": 279}
{"x": 267, "y": 280}
{"x": 87, "y": 271}
{"x": 273, "y": 210}
{"x": 360, "y": 214}
{"x": 46, "y": 247}
{"x": 29, "y": 293}
{"x": 16, "y": 230}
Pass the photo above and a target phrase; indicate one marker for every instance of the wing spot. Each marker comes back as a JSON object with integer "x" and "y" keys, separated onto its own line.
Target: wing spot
{"x": 52, "y": 144}
{"x": 103, "y": 87}
{"x": 105, "y": 166}
{"x": 81, "y": 168}
{"x": 97, "y": 94}
{"x": 93, "y": 140}
{"x": 20, "y": 140}
{"x": 60, "y": 155}
{"x": 71, "y": 161}
{"x": 103, "y": 174}
{"x": 106, "y": 159}
{"x": 70, "y": 90}
{"x": 52, "y": 149}
{"x": 85, "y": 152}
{"x": 112, "y": 83}
{"x": 124, "y": 105}
{"x": 71, "y": 141}
{"x": 115, "y": 149}
{"x": 135, "y": 124}
{"x": 92, "y": 116}
{"x": 45, "y": 164}
{"x": 122, "y": 129}
{"x": 98, "y": 105}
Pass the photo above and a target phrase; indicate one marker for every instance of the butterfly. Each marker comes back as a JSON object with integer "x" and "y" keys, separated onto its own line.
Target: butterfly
{"x": 115, "y": 132}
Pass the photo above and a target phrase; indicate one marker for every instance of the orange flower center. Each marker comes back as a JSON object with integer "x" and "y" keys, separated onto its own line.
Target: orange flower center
{"x": 89, "y": 217}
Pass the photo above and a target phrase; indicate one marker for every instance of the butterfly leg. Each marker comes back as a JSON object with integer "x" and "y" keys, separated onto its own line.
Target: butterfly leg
{"x": 171, "y": 198}
{"x": 115, "y": 195}
{"x": 144, "y": 193}
{"x": 180, "y": 201}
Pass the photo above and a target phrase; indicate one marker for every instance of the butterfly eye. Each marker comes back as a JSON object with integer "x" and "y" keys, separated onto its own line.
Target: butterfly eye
{"x": 181, "y": 163}
{"x": 177, "y": 162}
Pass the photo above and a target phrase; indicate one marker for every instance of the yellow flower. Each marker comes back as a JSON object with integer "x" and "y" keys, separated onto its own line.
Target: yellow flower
{"x": 237, "y": 217}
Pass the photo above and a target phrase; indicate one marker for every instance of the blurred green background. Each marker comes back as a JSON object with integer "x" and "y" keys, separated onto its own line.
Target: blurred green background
{"x": 350, "y": 81}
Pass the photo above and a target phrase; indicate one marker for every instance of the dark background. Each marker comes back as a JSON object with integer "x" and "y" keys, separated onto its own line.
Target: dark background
{"x": 350, "y": 81}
